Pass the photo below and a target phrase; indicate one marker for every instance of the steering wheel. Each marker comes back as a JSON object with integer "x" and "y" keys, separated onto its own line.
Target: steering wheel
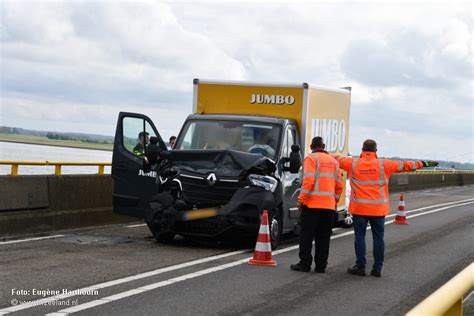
{"x": 259, "y": 151}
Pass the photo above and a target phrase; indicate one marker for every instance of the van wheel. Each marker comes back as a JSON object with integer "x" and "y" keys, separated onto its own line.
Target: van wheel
{"x": 275, "y": 225}
{"x": 164, "y": 237}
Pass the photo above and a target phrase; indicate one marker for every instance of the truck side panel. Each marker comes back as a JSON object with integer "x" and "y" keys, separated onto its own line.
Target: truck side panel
{"x": 327, "y": 116}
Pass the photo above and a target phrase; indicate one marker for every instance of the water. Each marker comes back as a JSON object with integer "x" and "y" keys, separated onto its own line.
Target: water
{"x": 16, "y": 151}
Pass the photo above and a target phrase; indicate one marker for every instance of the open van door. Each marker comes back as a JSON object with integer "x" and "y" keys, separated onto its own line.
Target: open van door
{"x": 132, "y": 186}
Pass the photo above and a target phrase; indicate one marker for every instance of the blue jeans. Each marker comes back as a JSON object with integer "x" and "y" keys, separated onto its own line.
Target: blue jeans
{"x": 377, "y": 224}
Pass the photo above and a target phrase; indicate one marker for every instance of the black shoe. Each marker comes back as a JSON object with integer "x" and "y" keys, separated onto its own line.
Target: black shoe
{"x": 319, "y": 270}
{"x": 377, "y": 274}
{"x": 356, "y": 271}
{"x": 298, "y": 267}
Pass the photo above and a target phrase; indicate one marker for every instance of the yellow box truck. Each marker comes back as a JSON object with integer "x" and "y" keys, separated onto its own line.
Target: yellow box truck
{"x": 239, "y": 153}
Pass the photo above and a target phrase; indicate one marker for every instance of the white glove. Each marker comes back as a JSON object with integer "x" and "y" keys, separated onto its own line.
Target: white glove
{"x": 348, "y": 220}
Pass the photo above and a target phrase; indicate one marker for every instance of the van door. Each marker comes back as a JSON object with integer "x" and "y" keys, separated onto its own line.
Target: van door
{"x": 291, "y": 181}
{"x": 132, "y": 186}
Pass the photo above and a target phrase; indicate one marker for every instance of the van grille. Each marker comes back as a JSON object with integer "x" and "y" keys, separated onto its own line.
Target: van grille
{"x": 197, "y": 190}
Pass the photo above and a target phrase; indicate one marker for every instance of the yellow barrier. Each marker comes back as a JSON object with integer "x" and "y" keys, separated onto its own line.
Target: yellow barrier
{"x": 448, "y": 299}
{"x": 440, "y": 172}
{"x": 57, "y": 165}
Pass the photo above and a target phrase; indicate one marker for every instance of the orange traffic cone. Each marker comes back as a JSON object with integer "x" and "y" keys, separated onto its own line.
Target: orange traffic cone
{"x": 262, "y": 255}
{"x": 401, "y": 218}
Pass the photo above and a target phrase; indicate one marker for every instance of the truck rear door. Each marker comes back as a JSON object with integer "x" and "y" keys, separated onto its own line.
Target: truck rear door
{"x": 132, "y": 186}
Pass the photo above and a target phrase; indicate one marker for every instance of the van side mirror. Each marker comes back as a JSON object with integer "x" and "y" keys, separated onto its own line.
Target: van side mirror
{"x": 295, "y": 159}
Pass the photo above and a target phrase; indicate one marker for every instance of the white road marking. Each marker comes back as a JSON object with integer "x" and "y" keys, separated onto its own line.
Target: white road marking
{"x": 468, "y": 296}
{"x": 437, "y": 210}
{"x": 135, "y": 225}
{"x": 58, "y": 236}
{"x": 437, "y": 205}
{"x": 29, "y": 239}
{"x": 196, "y": 274}
{"x": 147, "y": 288}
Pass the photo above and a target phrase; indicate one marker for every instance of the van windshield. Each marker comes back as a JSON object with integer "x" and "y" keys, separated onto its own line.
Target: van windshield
{"x": 256, "y": 138}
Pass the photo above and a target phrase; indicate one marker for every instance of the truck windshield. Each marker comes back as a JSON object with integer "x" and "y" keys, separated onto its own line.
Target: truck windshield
{"x": 256, "y": 138}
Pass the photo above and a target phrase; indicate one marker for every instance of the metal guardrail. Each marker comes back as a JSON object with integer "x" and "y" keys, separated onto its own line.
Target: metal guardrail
{"x": 456, "y": 171}
{"x": 57, "y": 165}
{"x": 448, "y": 299}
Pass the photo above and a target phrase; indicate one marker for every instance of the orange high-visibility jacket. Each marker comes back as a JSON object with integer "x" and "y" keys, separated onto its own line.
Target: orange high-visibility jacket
{"x": 322, "y": 181}
{"x": 369, "y": 181}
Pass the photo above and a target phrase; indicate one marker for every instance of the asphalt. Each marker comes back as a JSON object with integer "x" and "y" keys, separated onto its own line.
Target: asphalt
{"x": 419, "y": 258}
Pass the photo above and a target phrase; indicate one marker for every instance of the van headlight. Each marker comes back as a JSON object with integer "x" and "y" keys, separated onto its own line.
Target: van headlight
{"x": 268, "y": 183}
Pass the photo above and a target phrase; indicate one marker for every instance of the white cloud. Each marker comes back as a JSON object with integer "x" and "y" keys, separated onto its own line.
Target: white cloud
{"x": 75, "y": 65}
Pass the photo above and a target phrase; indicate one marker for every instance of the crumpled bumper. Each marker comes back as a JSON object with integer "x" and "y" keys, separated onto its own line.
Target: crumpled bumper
{"x": 239, "y": 217}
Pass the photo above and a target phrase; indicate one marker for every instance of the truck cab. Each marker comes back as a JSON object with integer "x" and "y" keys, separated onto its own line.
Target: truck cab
{"x": 269, "y": 138}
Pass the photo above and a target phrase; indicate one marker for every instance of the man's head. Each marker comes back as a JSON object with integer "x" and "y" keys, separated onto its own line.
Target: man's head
{"x": 172, "y": 141}
{"x": 143, "y": 138}
{"x": 369, "y": 145}
{"x": 317, "y": 143}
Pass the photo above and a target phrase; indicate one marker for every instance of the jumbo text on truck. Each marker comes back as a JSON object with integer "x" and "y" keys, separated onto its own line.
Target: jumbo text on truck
{"x": 239, "y": 153}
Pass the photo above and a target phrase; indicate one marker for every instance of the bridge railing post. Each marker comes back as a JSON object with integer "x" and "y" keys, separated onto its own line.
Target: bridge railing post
{"x": 57, "y": 170}
{"x": 14, "y": 170}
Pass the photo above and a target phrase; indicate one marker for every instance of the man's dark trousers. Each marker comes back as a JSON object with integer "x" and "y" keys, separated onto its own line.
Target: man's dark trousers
{"x": 377, "y": 224}
{"x": 316, "y": 224}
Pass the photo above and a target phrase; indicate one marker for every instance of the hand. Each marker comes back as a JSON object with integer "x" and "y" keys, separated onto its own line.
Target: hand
{"x": 430, "y": 163}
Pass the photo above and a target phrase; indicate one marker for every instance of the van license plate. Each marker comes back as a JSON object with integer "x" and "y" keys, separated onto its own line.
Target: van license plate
{"x": 201, "y": 213}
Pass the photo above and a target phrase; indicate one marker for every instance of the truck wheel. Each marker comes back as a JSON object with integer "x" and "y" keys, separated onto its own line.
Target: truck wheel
{"x": 160, "y": 236}
{"x": 275, "y": 225}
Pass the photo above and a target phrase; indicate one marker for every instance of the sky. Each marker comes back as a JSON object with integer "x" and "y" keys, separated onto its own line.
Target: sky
{"x": 73, "y": 65}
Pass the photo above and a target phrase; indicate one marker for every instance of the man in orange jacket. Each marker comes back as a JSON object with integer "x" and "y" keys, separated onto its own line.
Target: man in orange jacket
{"x": 369, "y": 201}
{"x": 321, "y": 189}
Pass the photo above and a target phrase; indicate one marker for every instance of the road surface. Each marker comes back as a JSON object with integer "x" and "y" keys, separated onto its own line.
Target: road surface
{"x": 121, "y": 270}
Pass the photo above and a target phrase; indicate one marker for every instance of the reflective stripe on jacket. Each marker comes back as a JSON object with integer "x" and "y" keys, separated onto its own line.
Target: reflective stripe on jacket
{"x": 369, "y": 181}
{"x": 322, "y": 181}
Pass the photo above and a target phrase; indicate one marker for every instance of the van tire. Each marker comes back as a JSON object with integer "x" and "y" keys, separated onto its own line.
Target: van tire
{"x": 275, "y": 224}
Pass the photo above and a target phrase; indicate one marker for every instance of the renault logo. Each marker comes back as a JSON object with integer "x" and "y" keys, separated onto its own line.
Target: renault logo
{"x": 211, "y": 179}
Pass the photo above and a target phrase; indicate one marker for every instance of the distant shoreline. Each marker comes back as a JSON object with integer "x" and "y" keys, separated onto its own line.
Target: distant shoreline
{"x": 52, "y": 145}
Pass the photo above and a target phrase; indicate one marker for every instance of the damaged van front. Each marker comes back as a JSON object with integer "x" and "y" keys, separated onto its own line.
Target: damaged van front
{"x": 213, "y": 194}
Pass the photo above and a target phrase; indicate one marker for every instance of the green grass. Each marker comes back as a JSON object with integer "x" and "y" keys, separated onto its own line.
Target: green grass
{"x": 40, "y": 140}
